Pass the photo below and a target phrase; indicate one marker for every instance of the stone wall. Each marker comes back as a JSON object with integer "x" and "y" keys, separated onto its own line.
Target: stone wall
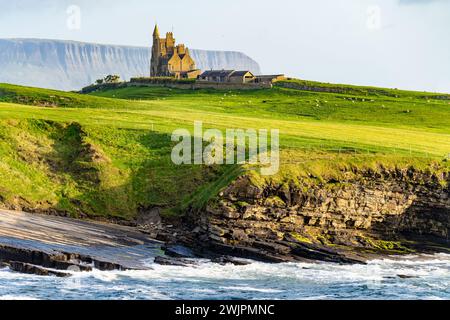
{"x": 209, "y": 85}
{"x": 179, "y": 84}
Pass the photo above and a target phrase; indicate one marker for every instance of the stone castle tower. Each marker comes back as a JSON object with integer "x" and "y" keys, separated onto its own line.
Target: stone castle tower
{"x": 170, "y": 60}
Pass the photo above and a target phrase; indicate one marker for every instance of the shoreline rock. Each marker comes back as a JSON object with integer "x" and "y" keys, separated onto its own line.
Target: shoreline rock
{"x": 367, "y": 216}
{"x": 351, "y": 221}
{"x": 39, "y": 262}
{"x": 36, "y": 270}
{"x": 36, "y": 243}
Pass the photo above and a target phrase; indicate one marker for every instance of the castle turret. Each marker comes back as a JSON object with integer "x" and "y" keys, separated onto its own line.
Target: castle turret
{"x": 156, "y": 52}
{"x": 170, "y": 43}
{"x": 169, "y": 60}
{"x": 156, "y": 32}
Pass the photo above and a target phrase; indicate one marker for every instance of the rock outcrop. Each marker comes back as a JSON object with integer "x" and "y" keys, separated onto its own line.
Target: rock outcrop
{"x": 58, "y": 246}
{"x": 36, "y": 270}
{"x": 70, "y": 65}
{"x": 40, "y": 262}
{"x": 371, "y": 213}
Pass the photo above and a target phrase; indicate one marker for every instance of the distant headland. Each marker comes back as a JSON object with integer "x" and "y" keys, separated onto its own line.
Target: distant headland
{"x": 71, "y": 65}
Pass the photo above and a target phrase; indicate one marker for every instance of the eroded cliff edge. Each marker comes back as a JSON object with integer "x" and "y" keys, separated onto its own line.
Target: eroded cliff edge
{"x": 365, "y": 214}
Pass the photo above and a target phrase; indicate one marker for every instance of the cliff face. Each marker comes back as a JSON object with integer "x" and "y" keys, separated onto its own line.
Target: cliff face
{"x": 69, "y": 65}
{"x": 341, "y": 221}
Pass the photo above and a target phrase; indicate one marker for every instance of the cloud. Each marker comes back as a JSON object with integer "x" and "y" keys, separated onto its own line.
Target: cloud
{"x": 419, "y": 2}
{"x": 19, "y": 7}
{"x": 8, "y": 6}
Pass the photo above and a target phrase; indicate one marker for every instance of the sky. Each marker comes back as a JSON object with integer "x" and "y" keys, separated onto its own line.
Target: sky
{"x": 390, "y": 43}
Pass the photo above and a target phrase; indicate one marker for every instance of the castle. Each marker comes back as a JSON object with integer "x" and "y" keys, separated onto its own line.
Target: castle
{"x": 169, "y": 60}
{"x": 175, "y": 61}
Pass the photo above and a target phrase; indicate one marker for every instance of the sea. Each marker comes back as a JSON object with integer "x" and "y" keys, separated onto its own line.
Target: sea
{"x": 415, "y": 277}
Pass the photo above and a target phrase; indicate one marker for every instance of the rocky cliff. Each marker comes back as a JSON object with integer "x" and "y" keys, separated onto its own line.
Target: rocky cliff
{"x": 370, "y": 213}
{"x": 69, "y": 65}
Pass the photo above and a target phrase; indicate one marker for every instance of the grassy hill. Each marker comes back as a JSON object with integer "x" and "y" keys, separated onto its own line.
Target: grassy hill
{"x": 108, "y": 154}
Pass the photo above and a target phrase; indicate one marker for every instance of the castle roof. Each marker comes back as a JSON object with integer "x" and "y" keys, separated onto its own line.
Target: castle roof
{"x": 156, "y": 31}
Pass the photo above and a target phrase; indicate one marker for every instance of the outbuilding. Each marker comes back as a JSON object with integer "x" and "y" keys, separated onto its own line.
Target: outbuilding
{"x": 230, "y": 76}
{"x": 216, "y": 75}
{"x": 241, "y": 77}
{"x": 270, "y": 78}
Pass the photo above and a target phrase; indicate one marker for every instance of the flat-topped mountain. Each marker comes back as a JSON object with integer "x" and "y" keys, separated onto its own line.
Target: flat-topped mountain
{"x": 70, "y": 65}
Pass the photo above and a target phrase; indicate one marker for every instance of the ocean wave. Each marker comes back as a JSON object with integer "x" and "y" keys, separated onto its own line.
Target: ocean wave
{"x": 252, "y": 289}
{"x": 409, "y": 277}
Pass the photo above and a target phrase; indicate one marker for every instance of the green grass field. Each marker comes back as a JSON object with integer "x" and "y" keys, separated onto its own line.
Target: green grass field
{"x": 108, "y": 153}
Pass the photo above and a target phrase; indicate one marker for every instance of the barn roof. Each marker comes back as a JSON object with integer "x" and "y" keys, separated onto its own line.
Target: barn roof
{"x": 217, "y": 73}
{"x": 270, "y": 75}
{"x": 240, "y": 73}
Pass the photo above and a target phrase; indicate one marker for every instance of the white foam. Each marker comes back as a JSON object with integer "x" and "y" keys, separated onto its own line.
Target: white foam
{"x": 426, "y": 277}
{"x": 251, "y": 289}
{"x": 14, "y": 297}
